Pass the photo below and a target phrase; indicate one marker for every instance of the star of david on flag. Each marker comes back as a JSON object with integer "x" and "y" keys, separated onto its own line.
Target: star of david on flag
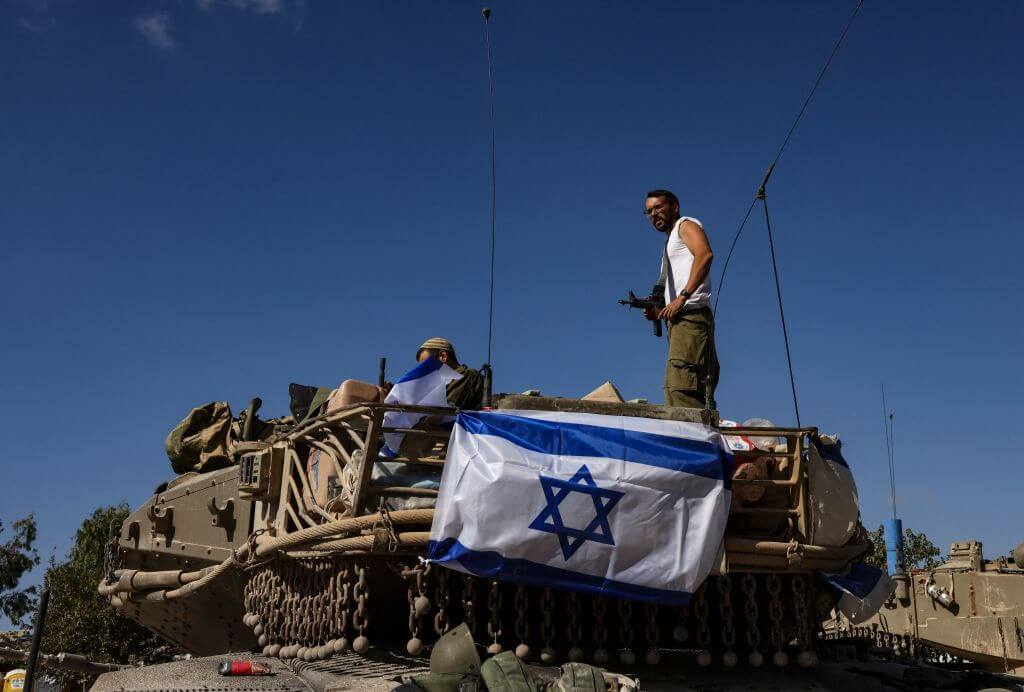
{"x": 551, "y": 520}
{"x": 617, "y": 506}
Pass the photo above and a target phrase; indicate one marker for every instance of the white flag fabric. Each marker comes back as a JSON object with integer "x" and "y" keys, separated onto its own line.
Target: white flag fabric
{"x": 631, "y": 508}
{"x": 424, "y": 385}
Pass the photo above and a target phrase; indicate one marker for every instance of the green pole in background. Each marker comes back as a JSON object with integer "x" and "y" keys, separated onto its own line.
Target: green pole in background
{"x": 37, "y": 637}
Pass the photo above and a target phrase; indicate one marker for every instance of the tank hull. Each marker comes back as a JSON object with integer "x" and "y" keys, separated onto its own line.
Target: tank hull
{"x": 197, "y": 522}
{"x": 251, "y": 564}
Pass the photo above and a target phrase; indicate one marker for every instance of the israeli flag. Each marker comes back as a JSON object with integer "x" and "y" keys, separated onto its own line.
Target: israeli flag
{"x": 424, "y": 385}
{"x": 631, "y": 508}
{"x": 861, "y": 591}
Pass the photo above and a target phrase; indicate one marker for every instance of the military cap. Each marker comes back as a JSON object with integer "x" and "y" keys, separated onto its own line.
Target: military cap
{"x": 436, "y": 343}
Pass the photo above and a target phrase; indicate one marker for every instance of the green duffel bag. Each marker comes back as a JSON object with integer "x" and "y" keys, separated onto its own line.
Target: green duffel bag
{"x": 578, "y": 677}
{"x": 201, "y": 441}
{"x": 506, "y": 673}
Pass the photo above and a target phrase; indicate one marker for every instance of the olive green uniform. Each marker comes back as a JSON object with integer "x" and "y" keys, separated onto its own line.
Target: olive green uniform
{"x": 691, "y": 354}
{"x": 467, "y": 392}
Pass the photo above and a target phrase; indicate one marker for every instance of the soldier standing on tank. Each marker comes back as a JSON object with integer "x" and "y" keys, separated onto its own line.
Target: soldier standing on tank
{"x": 686, "y": 277}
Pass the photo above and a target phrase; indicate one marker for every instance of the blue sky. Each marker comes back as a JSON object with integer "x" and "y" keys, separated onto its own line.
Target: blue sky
{"x": 209, "y": 200}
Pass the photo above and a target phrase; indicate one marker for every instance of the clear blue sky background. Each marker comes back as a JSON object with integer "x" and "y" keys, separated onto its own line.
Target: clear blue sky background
{"x": 211, "y": 200}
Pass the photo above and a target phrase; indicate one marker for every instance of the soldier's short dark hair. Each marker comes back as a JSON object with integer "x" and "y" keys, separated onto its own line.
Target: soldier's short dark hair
{"x": 667, "y": 194}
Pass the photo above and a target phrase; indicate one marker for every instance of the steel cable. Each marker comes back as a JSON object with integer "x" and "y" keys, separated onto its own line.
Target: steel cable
{"x": 785, "y": 142}
{"x": 782, "y": 314}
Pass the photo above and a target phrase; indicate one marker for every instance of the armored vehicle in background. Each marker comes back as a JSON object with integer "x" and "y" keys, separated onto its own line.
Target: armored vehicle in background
{"x": 967, "y": 607}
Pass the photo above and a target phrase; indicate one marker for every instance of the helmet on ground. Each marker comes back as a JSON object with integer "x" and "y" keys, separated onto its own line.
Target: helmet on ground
{"x": 455, "y": 652}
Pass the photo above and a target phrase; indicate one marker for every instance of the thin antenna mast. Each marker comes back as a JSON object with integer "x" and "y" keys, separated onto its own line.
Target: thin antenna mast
{"x": 782, "y": 147}
{"x": 494, "y": 182}
{"x": 762, "y": 195}
{"x": 494, "y": 205}
{"x": 887, "y": 419}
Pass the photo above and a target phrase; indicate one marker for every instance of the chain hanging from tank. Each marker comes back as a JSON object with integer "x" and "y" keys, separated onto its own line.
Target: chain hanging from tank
{"x": 272, "y": 600}
{"x": 361, "y": 619}
{"x": 653, "y": 634}
{"x": 521, "y": 603}
{"x": 326, "y": 600}
{"x": 415, "y": 579}
{"x": 313, "y": 613}
{"x": 494, "y": 603}
{"x": 288, "y": 598}
{"x": 305, "y": 616}
{"x": 343, "y": 617}
{"x": 305, "y": 620}
{"x": 700, "y": 611}
{"x": 627, "y": 656}
{"x": 468, "y": 606}
{"x": 600, "y": 611}
{"x": 750, "y": 610}
{"x": 680, "y": 633}
{"x": 327, "y": 609}
{"x": 442, "y": 597}
{"x": 548, "y": 655}
{"x": 573, "y": 629}
{"x": 806, "y": 657}
{"x": 729, "y": 658}
{"x": 779, "y": 658}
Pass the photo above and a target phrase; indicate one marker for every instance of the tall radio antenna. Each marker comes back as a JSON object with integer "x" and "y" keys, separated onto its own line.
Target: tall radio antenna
{"x": 763, "y": 197}
{"x": 494, "y": 183}
{"x": 486, "y": 369}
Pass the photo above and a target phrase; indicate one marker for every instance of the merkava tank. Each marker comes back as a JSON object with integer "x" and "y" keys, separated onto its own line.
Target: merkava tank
{"x": 966, "y": 608}
{"x": 310, "y": 545}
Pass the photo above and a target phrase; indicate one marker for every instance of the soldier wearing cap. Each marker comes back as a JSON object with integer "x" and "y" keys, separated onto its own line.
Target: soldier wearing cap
{"x": 464, "y": 393}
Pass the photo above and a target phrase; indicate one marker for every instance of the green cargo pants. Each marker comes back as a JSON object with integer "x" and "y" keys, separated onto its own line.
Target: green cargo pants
{"x": 691, "y": 355}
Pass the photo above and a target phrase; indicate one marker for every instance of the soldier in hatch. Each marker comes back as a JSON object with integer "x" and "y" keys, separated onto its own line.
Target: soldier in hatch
{"x": 686, "y": 277}
{"x": 465, "y": 393}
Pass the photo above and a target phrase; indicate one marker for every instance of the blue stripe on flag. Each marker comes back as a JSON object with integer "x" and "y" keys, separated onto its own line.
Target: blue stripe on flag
{"x": 580, "y": 440}
{"x": 493, "y": 565}
{"x": 860, "y": 581}
{"x": 425, "y": 368}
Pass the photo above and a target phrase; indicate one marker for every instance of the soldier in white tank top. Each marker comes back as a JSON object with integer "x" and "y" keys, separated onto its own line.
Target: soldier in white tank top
{"x": 691, "y": 373}
{"x": 677, "y": 273}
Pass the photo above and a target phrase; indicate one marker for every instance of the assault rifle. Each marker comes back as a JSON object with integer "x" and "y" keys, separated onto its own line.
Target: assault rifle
{"x": 655, "y": 301}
